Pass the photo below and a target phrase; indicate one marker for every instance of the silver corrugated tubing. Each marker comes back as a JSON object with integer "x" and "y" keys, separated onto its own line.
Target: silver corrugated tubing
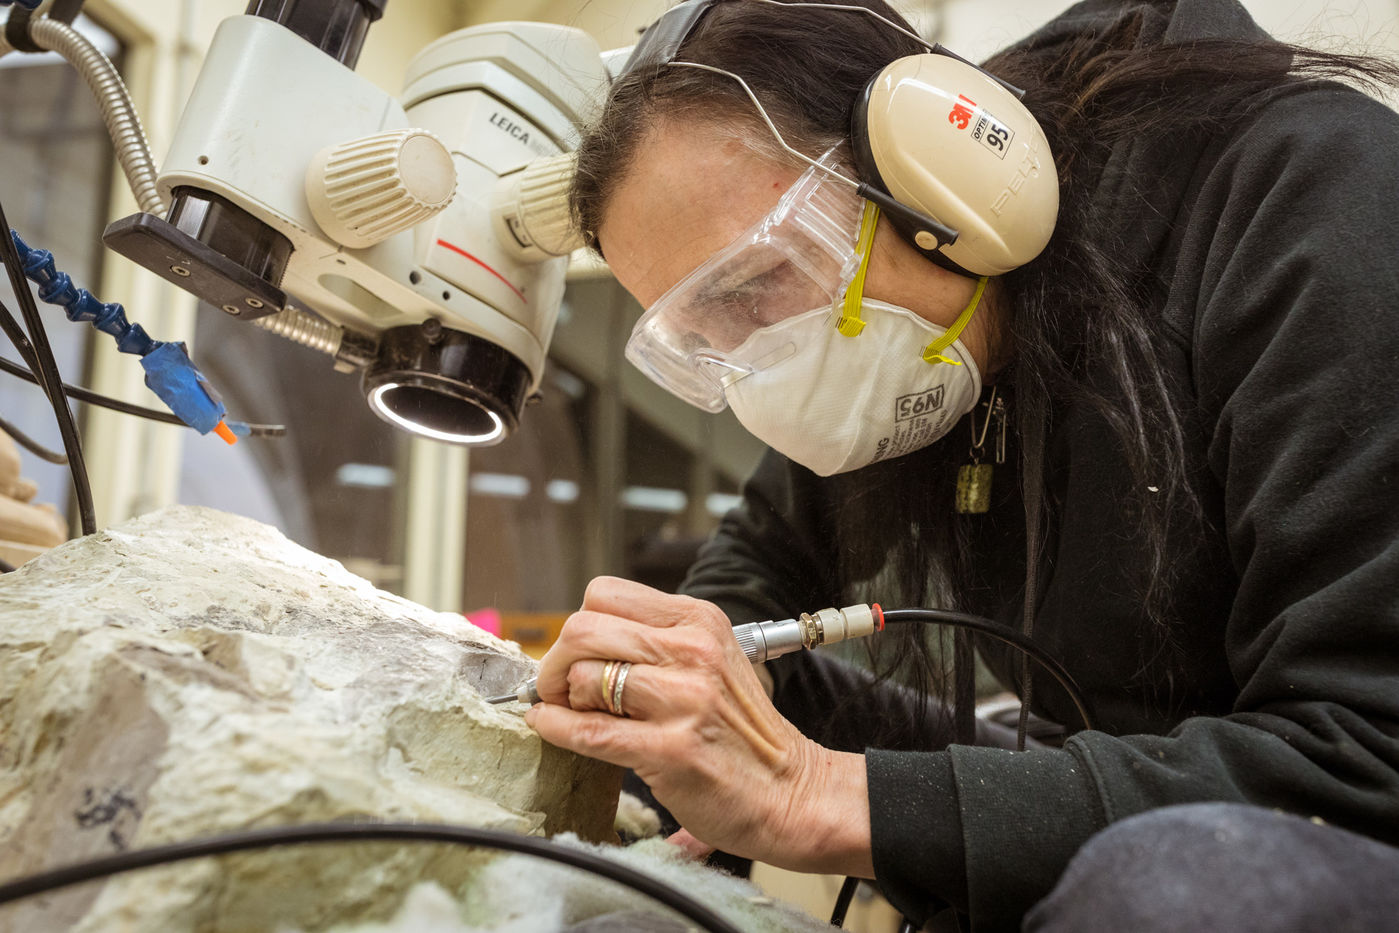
{"x": 134, "y": 154}
{"x": 123, "y": 123}
{"x": 304, "y": 328}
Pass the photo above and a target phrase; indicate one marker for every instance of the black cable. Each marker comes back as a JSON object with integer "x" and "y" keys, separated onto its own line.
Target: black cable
{"x": 50, "y": 381}
{"x": 17, "y": 336}
{"x": 1002, "y": 633}
{"x": 31, "y": 445}
{"x": 126, "y": 408}
{"x": 93, "y": 869}
{"x": 843, "y": 899}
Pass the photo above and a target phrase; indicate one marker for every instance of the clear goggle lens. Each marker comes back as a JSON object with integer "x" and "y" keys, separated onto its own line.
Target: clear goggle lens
{"x": 797, "y": 259}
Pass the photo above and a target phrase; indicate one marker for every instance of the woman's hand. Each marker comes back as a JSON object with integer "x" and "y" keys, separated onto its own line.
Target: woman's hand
{"x": 700, "y": 730}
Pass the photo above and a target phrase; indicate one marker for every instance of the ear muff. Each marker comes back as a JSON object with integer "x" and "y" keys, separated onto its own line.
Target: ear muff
{"x": 942, "y": 137}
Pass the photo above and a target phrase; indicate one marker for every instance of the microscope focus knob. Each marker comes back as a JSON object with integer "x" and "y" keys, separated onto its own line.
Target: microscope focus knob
{"x": 533, "y": 206}
{"x": 364, "y": 191}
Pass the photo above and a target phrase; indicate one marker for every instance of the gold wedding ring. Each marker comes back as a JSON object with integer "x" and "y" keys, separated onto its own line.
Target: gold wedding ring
{"x": 609, "y": 671}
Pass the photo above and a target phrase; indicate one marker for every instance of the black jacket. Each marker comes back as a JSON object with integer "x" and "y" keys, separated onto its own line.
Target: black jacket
{"x": 1272, "y": 258}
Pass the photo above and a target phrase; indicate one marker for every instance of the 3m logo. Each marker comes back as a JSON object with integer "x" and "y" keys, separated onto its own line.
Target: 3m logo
{"x": 918, "y": 404}
{"x": 986, "y": 129}
{"x": 961, "y": 115}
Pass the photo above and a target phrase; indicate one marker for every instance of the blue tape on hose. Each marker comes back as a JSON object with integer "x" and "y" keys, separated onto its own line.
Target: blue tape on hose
{"x": 182, "y": 387}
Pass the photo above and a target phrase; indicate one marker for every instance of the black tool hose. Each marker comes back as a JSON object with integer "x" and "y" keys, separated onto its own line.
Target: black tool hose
{"x": 91, "y": 870}
{"x": 843, "y": 899}
{"x": 1004, "y": 634}
{"x": 31, "y": 445}
{"x": 46, "y": 369}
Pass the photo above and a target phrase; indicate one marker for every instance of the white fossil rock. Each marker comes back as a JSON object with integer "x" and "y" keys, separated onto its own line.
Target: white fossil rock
{"x": 193, "y": 672}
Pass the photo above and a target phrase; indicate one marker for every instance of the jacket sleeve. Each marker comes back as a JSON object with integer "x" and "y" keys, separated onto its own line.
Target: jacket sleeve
{"x": 1295, "y": 294}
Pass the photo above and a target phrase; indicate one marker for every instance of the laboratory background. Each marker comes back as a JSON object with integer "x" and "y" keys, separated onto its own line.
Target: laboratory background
{"x": 588, "y": 468}
{"x": 606, "y": 474}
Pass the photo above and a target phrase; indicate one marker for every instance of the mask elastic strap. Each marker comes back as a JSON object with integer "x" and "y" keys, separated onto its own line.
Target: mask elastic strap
{"x": 850, "y": 323}
{"x": 932, "y": 353}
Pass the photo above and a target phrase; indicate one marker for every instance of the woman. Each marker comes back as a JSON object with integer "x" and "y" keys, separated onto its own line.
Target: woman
{"x": 1195, "y": 382}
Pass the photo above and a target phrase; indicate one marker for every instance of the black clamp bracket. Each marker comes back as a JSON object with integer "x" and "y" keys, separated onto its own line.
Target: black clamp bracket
{"x": 65, "y": 11}
{"x": 17, "y": 29}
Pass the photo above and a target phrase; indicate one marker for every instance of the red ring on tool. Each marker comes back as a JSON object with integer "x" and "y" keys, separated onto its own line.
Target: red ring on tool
{"x": 878, "y": 617}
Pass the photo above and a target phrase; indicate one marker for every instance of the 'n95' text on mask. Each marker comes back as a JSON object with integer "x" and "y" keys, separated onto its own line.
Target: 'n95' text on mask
{"x": 834, "y": 403}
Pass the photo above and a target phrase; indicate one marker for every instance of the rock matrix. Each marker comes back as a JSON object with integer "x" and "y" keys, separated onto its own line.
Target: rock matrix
{"x": 192, "y": 672}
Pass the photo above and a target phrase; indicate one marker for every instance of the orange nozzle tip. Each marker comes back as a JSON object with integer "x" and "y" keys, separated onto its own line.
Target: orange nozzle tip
{"x": 225, "y": 432}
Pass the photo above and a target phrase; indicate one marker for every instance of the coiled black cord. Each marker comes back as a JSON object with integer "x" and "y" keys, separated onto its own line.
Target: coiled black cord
{"x": 91, "y": 870}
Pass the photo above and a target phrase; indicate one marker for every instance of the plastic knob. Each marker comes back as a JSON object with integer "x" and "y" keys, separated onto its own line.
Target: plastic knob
{"x": 534, "y": 206}
{"x": 363, "y": 192}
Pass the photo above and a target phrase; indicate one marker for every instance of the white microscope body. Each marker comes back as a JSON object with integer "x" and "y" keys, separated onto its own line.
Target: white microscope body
{"x": 413, "y": 225}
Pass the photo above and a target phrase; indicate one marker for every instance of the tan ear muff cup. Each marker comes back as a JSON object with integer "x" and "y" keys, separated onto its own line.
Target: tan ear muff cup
{"x": 947, "y": 140}
{"x": 868, "y": 172}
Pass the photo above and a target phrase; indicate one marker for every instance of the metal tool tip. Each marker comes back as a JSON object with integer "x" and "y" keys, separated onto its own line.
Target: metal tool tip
{"x": 502, "y": 699}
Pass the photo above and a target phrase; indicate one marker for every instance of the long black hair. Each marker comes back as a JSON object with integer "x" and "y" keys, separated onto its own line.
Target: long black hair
{"x": 1077, "y": 328}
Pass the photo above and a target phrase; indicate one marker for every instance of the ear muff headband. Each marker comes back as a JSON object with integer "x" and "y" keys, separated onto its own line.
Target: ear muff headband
{"x": 661, "y": 41}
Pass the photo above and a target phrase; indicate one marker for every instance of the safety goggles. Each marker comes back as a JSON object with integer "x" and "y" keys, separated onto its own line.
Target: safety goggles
{"x": 801, "y": 257}
{"x": 805, "y": 255}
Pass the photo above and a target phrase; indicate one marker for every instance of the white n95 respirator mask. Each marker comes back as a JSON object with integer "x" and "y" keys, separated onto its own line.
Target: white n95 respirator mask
{"x": 835, "y": 403}
{"x": 776, "y": 326}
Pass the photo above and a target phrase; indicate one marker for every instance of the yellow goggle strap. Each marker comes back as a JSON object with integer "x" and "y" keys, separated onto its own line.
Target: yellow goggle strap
{"x": 932, "y": 353}
{"x": 850, "y": 323}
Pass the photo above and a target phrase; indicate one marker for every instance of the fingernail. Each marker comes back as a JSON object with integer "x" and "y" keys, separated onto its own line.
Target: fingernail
{"x": 531, "y": 713}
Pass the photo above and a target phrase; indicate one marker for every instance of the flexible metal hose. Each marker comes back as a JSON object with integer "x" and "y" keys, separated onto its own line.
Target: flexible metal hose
{"x": 134, "y": 154}
{"x": 118, "y": 112}
{"x": 304, "y": 328}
